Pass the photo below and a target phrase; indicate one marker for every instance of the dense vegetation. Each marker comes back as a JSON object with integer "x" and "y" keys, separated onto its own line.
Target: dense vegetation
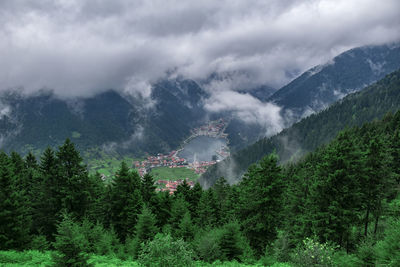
{"x": 338, "y": 206}
{"x": 108, "y": 121}
{"x": 350, "y": 71}
{"x": 371, "y": 103}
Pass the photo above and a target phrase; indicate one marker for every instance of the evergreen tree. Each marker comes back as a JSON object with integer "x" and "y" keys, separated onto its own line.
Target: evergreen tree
{"x": 70, "y": 244}
{"x": 162, "y": 208}
{"x": 376, "y": 179}
{"x": 14, "y": 221}
{"x": 126, "y": 201}
{"x": 194, "y": 199}
{"x": 145, "y": 228}
{"x": 185, "y": 229}
{"x": 178, "y": 210}
{"x": 148, "y": 189}
{"x": 47, "y": 197}
{"x": 73, "y": 176}
{"x": 230, "y": 241}
{"x": 260, "y": 202}
{"x": 208, "y": 213}
{"x": 335, "y": 194}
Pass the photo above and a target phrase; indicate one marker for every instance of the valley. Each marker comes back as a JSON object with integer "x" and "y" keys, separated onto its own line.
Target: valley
{"x": 200, "y": 133}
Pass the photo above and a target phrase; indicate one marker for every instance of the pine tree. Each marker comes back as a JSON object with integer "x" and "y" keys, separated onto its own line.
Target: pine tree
{"x": 376, "y": 179}
{"x": 230, "y": 241}
{"x": 14, "y": 221}
{"x": 126, "y": 201}
{"x": 335, "y": 193}
{"x": 145, "y": 228}
{"x": 73, "y": 176}
{"x": 260, "y": 202}
{"x": 149, "y": 194}
{"x": 178, "y": 210}
{"x": 194, "y": 198}
{"x": 208, "y": 213}
{"x": 46, "y": 196}
{"x": 185, "y": 229}
{"x": 70, "y": 243}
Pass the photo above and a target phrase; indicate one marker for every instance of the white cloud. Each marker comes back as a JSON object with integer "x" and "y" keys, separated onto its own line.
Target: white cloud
{"x": 247, "y": 108}
{"x": 79, "y": 48}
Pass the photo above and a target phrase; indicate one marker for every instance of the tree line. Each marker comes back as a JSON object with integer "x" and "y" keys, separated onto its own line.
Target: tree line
{"x": 337, "y": 205}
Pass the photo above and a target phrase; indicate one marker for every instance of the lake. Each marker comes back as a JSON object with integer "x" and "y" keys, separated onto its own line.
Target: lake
{"x": 202, "y": 148}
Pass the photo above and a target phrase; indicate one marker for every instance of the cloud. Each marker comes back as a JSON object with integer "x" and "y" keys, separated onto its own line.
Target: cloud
{"x": 79, "y": 48}
{"x": 247, "y": 108}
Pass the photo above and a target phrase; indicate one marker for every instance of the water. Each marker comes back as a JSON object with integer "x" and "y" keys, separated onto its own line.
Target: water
{"x": 202, "y": 148}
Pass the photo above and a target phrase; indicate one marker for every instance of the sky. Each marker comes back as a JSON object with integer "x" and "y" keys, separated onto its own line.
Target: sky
{"x": 79, "y": 48}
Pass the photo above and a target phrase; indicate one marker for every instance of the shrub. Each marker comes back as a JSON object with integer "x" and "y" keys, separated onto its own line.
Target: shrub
{"x": 366, "y": 253}
{"x": 313, "y": 253}
{"x": 207, "y": 247}
{"x": 388, "y": 249}
{"x": 343, "y": 259}
{"x": 39, "y": 242}
{"x": 164, "y": 251}
{"x": 70, "y": 244}
{"x": 25, "y": 258}
{"x": 281, "y": 248}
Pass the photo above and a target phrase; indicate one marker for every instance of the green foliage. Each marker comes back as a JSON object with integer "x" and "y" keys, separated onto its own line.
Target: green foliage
{"x": 260, "y": 203}
{"x": 70, "y": 244}
{"x": 146, "y": 228}
{"x": 100, "y": 240}
{"x": 25, "y": 258}
{"x": 164, "y": 251}
{"x": 207, "y": 245}
{"x": 388, "y": 250}
{"x": 307, "y": 135}
{"x": 14, "y": 218}
{"x": 366, "y": 253}
{"x": 166, "y": 173}
{"x": 313, "y": 253}
{"x": 40, "y": 243}
{"x": 281, "y": 247}
{"x": 186, "y": 228}
{"x": 126, "y": 201}
{"x": 343, "y": 259}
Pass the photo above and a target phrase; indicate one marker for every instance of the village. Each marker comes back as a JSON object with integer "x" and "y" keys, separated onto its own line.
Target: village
{"x": 172, "y": 160}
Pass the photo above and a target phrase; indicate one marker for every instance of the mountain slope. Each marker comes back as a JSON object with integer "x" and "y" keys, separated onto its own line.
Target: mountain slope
{"x": 369, "y": 104}
{"x": 109, "y": 120}
{"x": 322, "y": 85}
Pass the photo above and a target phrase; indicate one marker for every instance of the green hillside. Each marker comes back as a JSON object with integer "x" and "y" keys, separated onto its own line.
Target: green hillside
{"x": 371, "y": 103}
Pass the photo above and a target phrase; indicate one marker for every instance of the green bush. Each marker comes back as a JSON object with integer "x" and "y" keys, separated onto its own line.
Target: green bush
{"x": 25, "y": 258}
{"x": 207, "y": 247}
{"x": 366, "y": 253}
{"x": 313, "y": 253}
{"x": 281, "y": 248}
{"x": 164, "y": 251}
{"x": 70, "y": 244}
{"x": 343, "y": 259}
{"x": 39, "y": 242}
{"x": 388, "y": 249}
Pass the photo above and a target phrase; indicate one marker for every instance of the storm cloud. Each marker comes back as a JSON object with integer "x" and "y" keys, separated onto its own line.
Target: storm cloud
{"x": 79, "y": 48}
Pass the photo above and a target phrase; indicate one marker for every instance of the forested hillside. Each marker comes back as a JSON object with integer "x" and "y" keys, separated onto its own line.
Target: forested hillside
{"x": 120, "y": 123}
{"x": 347, "y": 73}
{"x": 338, "y": 206}
{"x": 371, "y": 103}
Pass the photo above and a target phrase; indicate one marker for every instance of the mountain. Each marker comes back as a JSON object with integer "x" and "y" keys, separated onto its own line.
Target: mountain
{"x": 349, "y": 72}
{"x": 110, "y": 120}
{"x": 371, "y": 103}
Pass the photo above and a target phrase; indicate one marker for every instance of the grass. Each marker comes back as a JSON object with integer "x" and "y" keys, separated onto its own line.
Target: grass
{"x": 166, "y": 173}
{"x": 109, "y": 165}
{"x": 12, "y": 258}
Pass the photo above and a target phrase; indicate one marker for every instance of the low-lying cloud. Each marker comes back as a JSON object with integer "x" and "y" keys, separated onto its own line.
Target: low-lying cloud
{"x": 81, "y": 47}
